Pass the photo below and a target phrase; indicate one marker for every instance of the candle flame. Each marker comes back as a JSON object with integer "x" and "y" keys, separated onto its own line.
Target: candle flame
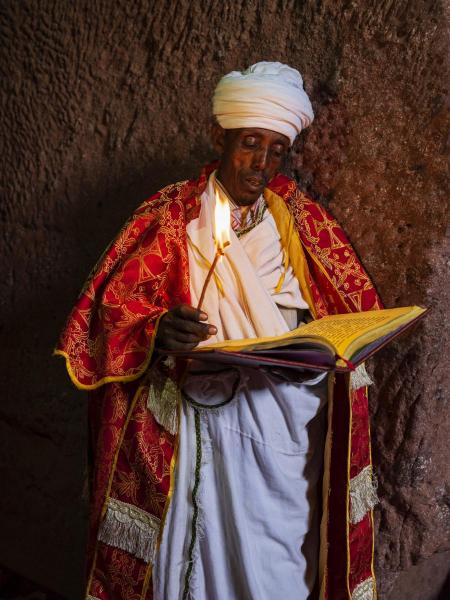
{"x": 222, "y": 219}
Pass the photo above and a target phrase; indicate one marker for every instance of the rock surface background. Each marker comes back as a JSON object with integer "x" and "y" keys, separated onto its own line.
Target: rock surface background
{"x": 103, "y": 103}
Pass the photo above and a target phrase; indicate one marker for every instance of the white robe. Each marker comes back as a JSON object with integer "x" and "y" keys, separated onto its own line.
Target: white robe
{"x": 257, "y": 531}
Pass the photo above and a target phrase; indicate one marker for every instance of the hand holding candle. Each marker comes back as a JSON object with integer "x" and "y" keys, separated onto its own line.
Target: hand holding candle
{"x": 221, "y": 237}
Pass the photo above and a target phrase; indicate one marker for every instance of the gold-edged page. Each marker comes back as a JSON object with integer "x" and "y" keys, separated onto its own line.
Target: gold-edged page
{"x": 249, "y": 344}
{"x": 267, "y": 343}
{"x": 346, "y": 334}
{"x": 350, "y": 332}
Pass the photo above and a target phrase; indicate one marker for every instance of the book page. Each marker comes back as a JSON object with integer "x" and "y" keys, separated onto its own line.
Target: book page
{"x": 340, "y": 330}
{"x": 345, "y": 333}
{"x": 349, "y": 332}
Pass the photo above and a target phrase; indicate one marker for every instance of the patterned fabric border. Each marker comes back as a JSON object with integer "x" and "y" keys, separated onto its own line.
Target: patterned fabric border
{"x": 148, "y": 264}
{"x": 363, "y": 494}
{"x": 364, "y": 590}
{"x": 194, "y": 526}
{"x": 131, "y": 529}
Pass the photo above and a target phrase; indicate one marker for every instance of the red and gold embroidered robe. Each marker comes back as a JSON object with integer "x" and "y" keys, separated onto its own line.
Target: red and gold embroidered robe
{"x": 108, "y": 344}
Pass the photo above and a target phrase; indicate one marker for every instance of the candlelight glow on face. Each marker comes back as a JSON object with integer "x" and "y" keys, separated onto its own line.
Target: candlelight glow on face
{"x": 221, "y": 222}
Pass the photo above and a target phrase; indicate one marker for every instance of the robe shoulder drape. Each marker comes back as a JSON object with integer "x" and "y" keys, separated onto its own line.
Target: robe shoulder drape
{"x": 108, "y": 344}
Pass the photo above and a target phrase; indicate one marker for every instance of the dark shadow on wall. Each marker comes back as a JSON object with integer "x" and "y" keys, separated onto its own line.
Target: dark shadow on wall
{"x": 43, "y": 434}
{"x": 445, "y": 592}
{"x": 15, "y": 587}
{"x": 94, "y": 218}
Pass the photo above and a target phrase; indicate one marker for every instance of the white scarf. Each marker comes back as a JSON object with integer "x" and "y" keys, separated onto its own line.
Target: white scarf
{"x": 248, "y": 272}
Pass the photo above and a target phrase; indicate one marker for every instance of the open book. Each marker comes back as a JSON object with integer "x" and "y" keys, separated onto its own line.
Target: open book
{"x": 336, "y": 342}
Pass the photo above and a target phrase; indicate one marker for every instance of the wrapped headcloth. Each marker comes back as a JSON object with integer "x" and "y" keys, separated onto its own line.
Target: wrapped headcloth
{"x": 269, "y": 95}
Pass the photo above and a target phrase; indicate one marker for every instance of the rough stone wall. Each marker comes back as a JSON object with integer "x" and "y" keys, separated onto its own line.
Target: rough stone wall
{"x": 104, "y": 102}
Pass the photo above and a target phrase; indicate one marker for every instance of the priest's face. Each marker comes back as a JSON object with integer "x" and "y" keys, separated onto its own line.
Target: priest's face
{"x": 249, "y": 159}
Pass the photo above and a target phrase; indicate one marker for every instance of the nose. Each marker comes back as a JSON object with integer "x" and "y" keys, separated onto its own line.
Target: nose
{"x": 260, "y": 158}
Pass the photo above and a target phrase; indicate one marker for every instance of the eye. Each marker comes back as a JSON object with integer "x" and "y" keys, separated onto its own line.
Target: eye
{"x": 250, "y": 141}
{"x": 278, "y": 150}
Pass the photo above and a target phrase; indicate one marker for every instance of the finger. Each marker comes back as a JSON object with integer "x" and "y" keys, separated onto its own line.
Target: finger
{"x": 200, "y": 329}
{"x": 190, "y": 313}
{"x": 180, "y": 346}
{"x": 187, "y": 338}
{"x": 170, "y": 342}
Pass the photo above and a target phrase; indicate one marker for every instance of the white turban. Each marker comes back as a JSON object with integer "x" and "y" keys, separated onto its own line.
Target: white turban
{"x": 269, "y": 95}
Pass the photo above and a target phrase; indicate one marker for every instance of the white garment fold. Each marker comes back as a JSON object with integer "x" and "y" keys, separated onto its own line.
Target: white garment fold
{"x": 249, "y": 272}
{"x": 262, "y": 452}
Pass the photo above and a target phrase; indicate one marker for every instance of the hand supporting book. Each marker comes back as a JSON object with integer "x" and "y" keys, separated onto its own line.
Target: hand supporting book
{"x": 336, "y": 342}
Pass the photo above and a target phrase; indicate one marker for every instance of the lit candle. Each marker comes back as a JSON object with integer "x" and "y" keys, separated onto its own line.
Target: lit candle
{"x": 221, "y": 222}
{"x": 221, "y": 237}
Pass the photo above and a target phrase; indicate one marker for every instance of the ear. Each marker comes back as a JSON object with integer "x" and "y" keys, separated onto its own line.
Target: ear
{"x": 218, "y": 137}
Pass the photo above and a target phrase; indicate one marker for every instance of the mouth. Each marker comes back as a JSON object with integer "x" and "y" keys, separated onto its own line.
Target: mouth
{"x": 256, "y": 183}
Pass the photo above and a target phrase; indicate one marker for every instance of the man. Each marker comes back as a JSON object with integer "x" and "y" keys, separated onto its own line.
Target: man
{"x": 206, "y": 479}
